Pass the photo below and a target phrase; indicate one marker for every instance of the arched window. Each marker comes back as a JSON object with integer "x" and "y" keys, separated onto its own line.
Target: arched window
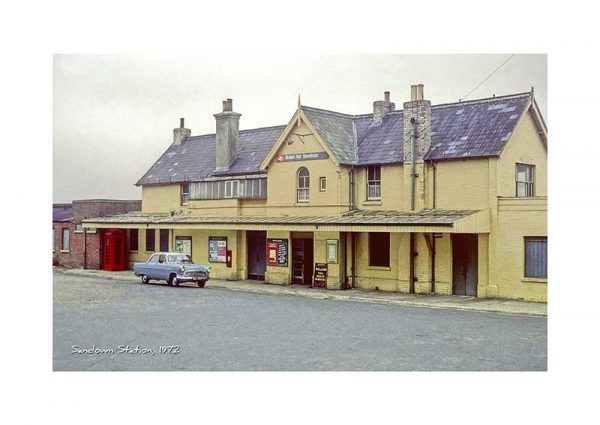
{"x": 303, "y": 185}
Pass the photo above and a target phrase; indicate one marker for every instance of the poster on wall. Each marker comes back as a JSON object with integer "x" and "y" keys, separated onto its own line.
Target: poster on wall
{"x": 183, "y": 244}
{"x": 277, "y": 252}
{"x": 332, "y": 250}
{"x": 217, "y": 249}
{"x": 320, "y": 280}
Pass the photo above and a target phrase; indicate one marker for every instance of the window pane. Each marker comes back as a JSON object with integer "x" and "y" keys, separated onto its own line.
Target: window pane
{"x": 133, "y": 239}
{"x": 379, "y": 249}
{"x": 66, "y": 241}
{"x": 536, "y": 257}
{"x": 150, "y": 243}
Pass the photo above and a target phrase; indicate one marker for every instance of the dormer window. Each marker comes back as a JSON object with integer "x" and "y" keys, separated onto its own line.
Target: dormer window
{"x": 373, "y": 182}
{"x": 303, "y": 185}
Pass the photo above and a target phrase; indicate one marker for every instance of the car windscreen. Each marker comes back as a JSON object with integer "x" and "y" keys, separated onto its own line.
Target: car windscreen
{"x": 180, "y": 258}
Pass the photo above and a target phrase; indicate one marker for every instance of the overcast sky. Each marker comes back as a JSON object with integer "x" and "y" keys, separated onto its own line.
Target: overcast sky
{"x": 114, "y": 115}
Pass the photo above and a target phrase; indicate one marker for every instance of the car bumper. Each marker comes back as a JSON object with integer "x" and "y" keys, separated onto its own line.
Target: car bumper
{"x": 191, "y": 278}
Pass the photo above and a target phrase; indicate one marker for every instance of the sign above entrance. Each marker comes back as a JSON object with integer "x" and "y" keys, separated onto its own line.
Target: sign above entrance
{"x": 305, "y": 156}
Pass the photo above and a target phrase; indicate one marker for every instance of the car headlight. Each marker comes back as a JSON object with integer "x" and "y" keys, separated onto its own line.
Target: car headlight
{"x": 182, "y": 269}
{"x": 208, "y": 270}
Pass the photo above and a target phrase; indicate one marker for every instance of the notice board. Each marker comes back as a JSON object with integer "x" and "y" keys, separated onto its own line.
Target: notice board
{"x": 277, "y": 252}
{"x": 217, "y": 249}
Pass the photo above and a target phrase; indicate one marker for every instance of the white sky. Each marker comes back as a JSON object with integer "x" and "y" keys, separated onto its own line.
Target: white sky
{"x": 114, "y": 114}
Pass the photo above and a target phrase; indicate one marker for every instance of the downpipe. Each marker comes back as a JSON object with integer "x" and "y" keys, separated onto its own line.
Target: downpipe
{"x": 413, "y": 175}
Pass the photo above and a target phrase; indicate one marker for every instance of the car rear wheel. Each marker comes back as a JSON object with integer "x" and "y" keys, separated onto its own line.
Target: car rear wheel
{"x": 145, "y": 279}
{"x": 173, "y": 280}
{"x": 201, "y": 283}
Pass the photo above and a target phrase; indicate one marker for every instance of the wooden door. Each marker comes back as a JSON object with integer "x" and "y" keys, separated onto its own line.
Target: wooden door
{"x": 464, "y": 265}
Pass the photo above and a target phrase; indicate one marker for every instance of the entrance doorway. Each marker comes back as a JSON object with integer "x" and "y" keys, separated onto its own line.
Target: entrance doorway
{"x": 464, "y": 265}
{"x": 257, "y": 255}
{"x": 302, "y": 259}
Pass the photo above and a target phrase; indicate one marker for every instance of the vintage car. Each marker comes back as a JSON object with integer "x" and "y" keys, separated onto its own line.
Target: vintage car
{"x": 174, "y": 267}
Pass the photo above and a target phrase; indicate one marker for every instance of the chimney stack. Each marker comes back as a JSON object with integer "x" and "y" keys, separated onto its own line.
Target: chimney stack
{"x": 227, "y": 136}
{"x": 381, "y": 108}
{"x": 417, "y": 113}
{"x": 181, "y": 133}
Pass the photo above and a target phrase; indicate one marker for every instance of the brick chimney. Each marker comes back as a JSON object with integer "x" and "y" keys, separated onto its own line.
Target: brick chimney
{"x": 382, "y": 107}
{"x": 417, "y": 111}
{"x": 227, "y": 135}
{"x": 181, "y": 133}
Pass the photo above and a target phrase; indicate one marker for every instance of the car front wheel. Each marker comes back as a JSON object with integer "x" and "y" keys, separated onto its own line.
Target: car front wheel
{"x": 145, "y": 279}
{"x": 201, "y": 283}
{"x": 173, "y": 280}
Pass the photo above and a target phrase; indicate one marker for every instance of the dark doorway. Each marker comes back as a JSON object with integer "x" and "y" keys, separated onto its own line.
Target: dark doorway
{"x": 164, "y": 240}
{"x": 257, "y": 255}
{"x": 302, "y": 260}
{"x": 464, "y": 265}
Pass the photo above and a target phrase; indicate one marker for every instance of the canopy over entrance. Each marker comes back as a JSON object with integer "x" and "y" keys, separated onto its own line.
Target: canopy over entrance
{"x": 429, "y": 220}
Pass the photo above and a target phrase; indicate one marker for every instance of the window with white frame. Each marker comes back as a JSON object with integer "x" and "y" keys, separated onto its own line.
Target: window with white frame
{"x": 322, "y": 184}
{"x": 536, "y": 257}
{"x": 185, "y": 194}
{"x": 373, "y": 182}
{"x": 66, "y": 240}
{"x": 231, "y": 188}
{"x": 303, "y": 185}
{"x": 524, "y": 178}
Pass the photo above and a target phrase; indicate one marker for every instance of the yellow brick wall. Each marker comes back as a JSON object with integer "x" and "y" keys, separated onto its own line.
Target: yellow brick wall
{"x": 280, "y": 275}
{"x": 517, "y": 218}
{"x": 281, "y": 186}
{"x": 161, "y": 198}
{"x": 526, "y": 147}
{"x": 392, "y": 188}
{"x": 462, "y": 184}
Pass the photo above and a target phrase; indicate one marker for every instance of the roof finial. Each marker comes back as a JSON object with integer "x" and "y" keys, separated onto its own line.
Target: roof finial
{"x": 299, "y": 107}
{"x": 532, "y": 90}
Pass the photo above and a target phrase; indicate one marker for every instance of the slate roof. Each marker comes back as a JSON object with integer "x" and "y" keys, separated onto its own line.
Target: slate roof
{"x": 62, "y": 212}
{"x": 363, "y": 217}
{"x": 195, "y": 158}
{"x": 477, "y": 128}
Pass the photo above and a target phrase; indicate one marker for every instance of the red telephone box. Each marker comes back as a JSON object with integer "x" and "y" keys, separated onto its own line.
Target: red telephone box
{"x": 114, "y": 252}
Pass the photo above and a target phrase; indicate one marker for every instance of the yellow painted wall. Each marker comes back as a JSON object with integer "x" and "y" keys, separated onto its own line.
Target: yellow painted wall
{"x": 393, "y": 189}
{"x": 281, "y": 186}
{"x": 517, "y": 218}
{"x": 526, "y": 147}
{"x": 462, "y": 184}
{"x": 161, "y": 198}
{"x": 275, "y": 274}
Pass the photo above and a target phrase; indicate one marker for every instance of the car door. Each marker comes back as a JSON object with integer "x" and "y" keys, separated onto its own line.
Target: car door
{"x": 151, "y": 268}
{"x": 162, "y": 267}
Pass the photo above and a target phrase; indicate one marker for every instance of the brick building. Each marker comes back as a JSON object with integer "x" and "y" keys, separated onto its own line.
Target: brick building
{"x": 72, "y": 246}
{"x": 445, "y": 199}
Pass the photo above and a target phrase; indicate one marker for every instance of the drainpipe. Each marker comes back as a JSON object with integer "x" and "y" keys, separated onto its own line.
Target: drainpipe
{"x": 84, "y": 248}
{"x": 433, "y": 264}
{"x": 353, "y": 259}
{"x": 351, "y": 189}
{"x": 434, "y": 183}
{"x": 413, "y": 165}
{"x": 412, "y": 204}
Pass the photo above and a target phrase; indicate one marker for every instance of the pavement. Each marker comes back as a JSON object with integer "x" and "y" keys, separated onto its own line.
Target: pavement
{"x": 454, "y": 302}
